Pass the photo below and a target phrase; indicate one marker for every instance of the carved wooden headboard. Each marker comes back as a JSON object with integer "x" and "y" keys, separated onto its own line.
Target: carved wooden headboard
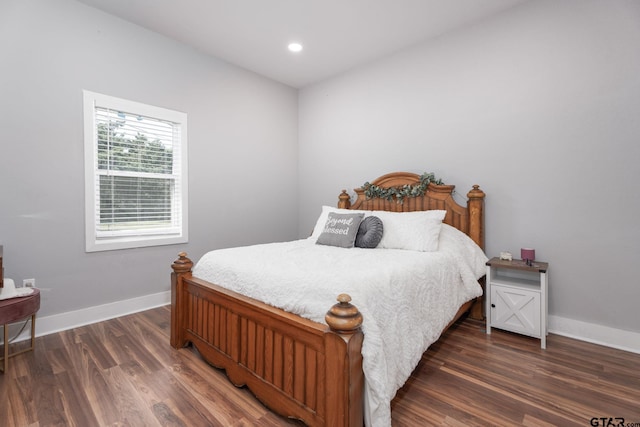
{"x": 469, "y": 219}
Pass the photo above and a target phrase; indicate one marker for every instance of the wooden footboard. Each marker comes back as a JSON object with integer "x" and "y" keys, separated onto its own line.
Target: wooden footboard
{"x": 298, "y": 368}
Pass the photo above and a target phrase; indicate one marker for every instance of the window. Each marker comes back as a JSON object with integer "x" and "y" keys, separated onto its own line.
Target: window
{"x": 135, "y": 174}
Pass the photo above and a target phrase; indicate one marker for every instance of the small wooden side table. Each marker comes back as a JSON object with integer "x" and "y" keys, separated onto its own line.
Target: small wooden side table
{"x": 13, "y": 310}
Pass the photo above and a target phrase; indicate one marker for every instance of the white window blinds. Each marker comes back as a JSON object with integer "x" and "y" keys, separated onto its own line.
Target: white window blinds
{"x": 138, "y": 175}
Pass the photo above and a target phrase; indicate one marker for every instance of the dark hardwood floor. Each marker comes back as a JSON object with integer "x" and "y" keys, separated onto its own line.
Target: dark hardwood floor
{"x": 122, "y": 372}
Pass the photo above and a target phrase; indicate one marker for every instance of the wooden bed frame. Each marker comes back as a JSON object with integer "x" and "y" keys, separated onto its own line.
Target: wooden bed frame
{"x": 299, "y": 368}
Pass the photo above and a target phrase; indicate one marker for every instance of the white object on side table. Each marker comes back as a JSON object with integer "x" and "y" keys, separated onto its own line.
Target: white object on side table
{"x": 9, "y": 290}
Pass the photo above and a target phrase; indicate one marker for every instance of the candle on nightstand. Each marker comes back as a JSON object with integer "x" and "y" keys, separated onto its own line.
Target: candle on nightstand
{"x": 528, "y": 254}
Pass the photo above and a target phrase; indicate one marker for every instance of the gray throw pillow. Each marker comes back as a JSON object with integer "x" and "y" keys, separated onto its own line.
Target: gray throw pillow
{"x": 340, "y": 230}
{"x": 369, "y": 233}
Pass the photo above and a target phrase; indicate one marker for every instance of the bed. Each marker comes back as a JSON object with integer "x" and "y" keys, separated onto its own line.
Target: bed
{"x": 297, "y": 364}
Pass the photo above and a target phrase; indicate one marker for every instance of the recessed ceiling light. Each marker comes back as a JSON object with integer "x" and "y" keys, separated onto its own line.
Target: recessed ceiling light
{"x": 295, "y": 47}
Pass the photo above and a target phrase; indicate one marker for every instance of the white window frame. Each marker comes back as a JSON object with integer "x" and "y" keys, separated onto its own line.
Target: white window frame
{"x": 96, "y": 241}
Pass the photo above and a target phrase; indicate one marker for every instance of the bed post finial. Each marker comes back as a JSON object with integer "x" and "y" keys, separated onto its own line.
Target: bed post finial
{"x": 344, "y": 316}
{"x": 182, "y": 264}
{"x": 344, "y": 200}
{"x": 476, "y": 192}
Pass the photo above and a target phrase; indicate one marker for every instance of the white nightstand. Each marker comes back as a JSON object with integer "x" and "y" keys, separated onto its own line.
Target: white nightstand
{"x": 516, "y": 297}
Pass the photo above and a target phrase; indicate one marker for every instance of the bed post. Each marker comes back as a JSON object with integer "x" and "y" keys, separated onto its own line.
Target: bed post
{"x": 475, "y": 205}
{"x": 181, "y": 267}
{"x": 343, "y": 352}
{"x": 344, "y": 200}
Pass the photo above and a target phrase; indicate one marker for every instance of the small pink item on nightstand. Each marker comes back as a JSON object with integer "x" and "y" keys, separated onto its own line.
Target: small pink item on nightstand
{"x": 528, "y": 255}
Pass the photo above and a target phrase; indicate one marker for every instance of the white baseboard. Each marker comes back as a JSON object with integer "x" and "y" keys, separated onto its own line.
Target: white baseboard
{"x": 597, "y": 334}
{"x": 583, "y": 331}
{"x": 72, "y": 319}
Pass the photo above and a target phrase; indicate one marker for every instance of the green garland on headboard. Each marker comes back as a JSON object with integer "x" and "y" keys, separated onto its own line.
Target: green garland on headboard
{"x": 373, "y": 191}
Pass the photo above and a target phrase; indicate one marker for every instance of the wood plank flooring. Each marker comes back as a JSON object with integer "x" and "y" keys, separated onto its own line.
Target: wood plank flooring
{"x": 122, "y": 372}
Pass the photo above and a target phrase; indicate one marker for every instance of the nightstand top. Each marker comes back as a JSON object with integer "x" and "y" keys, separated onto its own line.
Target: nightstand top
{"x": 518, "y": 264}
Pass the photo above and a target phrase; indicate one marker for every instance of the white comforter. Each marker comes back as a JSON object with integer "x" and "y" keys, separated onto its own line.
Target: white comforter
{"x": 406, "y": 298}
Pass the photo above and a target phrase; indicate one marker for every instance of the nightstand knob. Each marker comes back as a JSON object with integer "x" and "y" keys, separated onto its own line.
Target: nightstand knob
{"x": 493, "y": 305}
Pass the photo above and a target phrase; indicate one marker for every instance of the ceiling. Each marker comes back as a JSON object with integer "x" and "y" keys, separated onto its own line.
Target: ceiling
{"x": 337, "y": 34}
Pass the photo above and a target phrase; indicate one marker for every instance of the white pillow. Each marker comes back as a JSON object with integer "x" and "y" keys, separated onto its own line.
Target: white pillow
{"x": 414, "y": 231}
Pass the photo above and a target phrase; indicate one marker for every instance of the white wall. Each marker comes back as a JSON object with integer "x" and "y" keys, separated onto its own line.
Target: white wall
{"x": 242, "y": 140}
{"x": 539, "y": 106}
{"x": 549, "y": 91}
